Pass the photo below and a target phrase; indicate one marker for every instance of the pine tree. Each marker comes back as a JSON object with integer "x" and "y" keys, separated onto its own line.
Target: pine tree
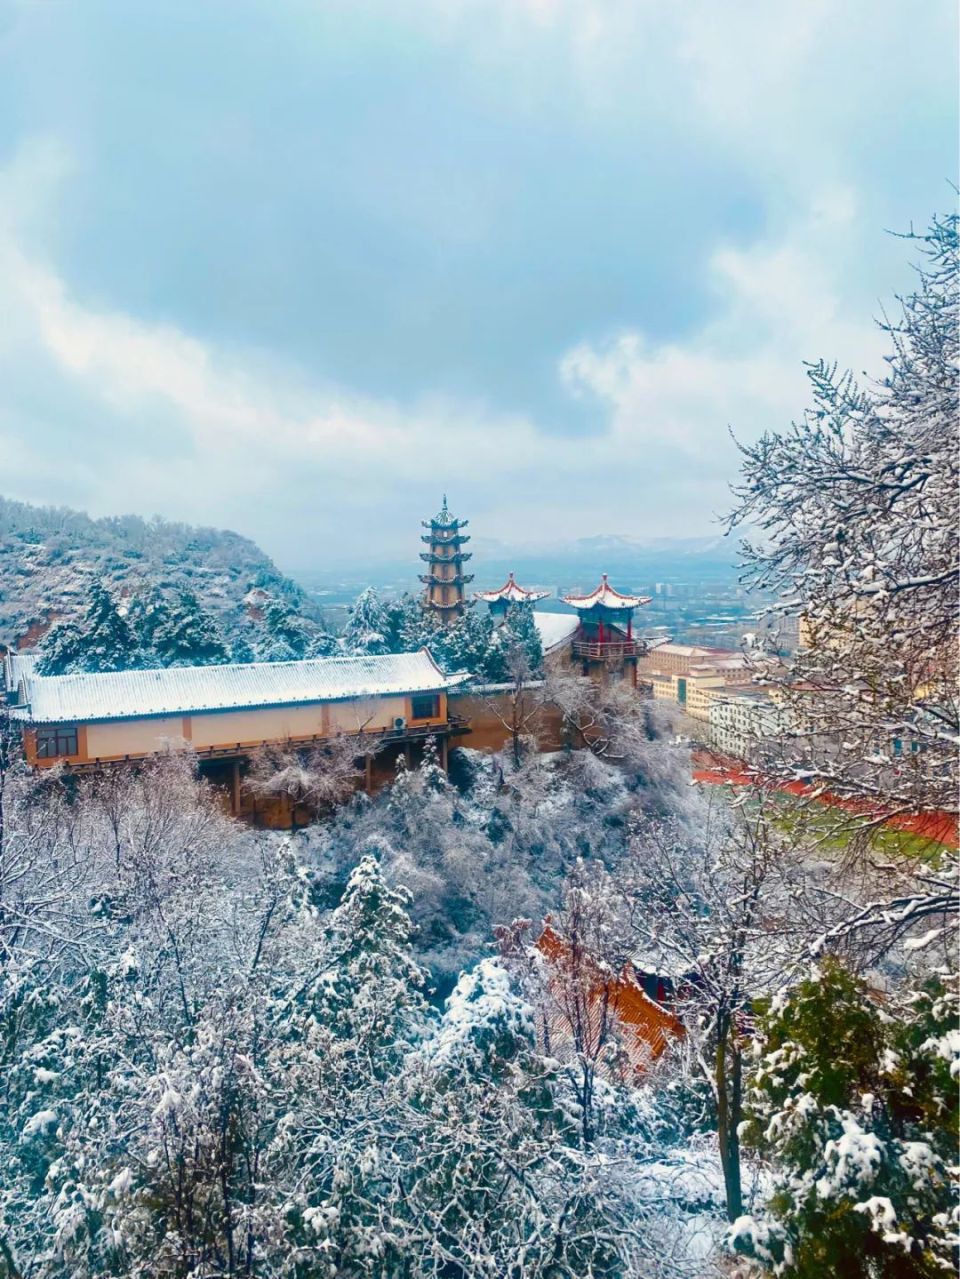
{"x": 520, "y": 635}
{"x": 104, "y": 640}
{"x": 408, "y": 624}
{"x": 858, "y": 1111}
{"x": 368, "y": 630}
{"x": 188, "y": 636}
{"x": 61, "y": 650}
{"x": 492, "y": 1172}
{"x": 346, "y": 1037}
{"x": 288, "y": 636}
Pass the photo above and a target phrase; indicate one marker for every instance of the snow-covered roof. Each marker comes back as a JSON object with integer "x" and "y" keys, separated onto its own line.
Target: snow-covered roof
{"x": 606, "y": 597}
{"x": 16, "y": 666}
{"x": 555, "y": 629}
{"x": 686, "y": 650}
{"x": 179, "y": 690}
{"x": 512, "y": 593}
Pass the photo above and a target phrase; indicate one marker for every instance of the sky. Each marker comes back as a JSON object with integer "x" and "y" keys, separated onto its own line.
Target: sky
{"x": 299, "y": 267}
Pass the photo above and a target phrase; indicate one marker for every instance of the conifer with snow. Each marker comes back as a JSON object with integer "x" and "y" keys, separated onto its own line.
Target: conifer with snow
{"x": 367, "y": 631}
{"x": 104, "y": 640}
{"x": 855, "y": 1104}
{"x": 185, "y": 635}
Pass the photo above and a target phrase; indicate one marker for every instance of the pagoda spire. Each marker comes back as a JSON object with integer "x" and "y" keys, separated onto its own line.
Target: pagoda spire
{"x": 444, "y": 582}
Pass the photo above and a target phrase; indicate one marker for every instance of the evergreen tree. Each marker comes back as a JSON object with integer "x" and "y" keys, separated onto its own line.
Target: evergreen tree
{"x": 493, "y": 1175}
{"x": 323, "y": 644}
{"x": 104, "y": 640}
{"x": 61, "y": 649}
{"x": 521, "y": 638}
{"x": 367, "y": 633}
{"x": 346, "y": 1037}
{"x": 188, "y": 636}
{"x": 149, "y": 611}
{"x": 858, "y": 1111}
{"x": 408, "y": 625}
{"x": 288, "y": 635}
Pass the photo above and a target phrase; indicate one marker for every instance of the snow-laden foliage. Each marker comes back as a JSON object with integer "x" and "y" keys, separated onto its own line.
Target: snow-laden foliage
{"x": 51, "y": 557}
{"x": 104, "y": 641}
{"x": 854, "y": 1102}
{"x": 367, "y": 632}
{"x": 471, "y": 643}
{"x": 158, "y": 628}
{"x": 858, "y": 509}
{"x": 215, "y": 1064}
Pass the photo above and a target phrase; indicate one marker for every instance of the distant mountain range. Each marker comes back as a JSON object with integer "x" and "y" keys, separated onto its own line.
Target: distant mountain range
{"x": 634, "y": 563}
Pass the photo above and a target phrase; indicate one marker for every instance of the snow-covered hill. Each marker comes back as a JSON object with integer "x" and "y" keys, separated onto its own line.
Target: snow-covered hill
{"x": 50, "y": 555}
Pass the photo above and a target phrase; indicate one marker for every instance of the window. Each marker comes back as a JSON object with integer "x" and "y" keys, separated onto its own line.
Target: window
{"x": 55, "y": 742}
{"x": 425, "y": 706}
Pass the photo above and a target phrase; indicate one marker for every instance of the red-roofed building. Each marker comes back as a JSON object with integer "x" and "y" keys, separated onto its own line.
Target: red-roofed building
{"x": 603, "y": 1017}
{"x": 604, "y": 643}
{"x": 510, "y": 593}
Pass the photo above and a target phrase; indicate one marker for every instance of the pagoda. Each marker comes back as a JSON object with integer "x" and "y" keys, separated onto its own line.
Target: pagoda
{"x": 604, "y": 641}
{"x": 444, "y": 595}
{"x": 509, "y": 594}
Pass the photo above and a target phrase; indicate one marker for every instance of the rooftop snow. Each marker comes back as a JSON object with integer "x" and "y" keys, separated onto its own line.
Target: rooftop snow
{"x": 512, "y": 592}
{"x": 606, "y": 597}
{"x": 178, "y": 690}
{"x": 16, "y": 666}
{"x": 555, "y": 629}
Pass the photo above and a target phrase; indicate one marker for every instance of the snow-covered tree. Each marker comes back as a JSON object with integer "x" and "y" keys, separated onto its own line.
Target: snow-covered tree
{"x": 316, "y": 778}
{"x": 345, "y": 1034}
{"x": 185, "y": 635}
{"x": 855, "y": 1104}
{"x": 103, "y": 641}
{"x": 723, "y": 916}
{"x": 498, "y": 1184}
{"x": 288, "y": 636}
{"x": 368, "y": 629}
{"x": 61, "y": 651}
{"x": 857, "y": 507}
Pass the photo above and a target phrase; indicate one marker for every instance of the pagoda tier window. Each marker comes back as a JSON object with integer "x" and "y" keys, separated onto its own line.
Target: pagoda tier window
{"x": 55, "y": 743}
{"x": 426, "y": 706}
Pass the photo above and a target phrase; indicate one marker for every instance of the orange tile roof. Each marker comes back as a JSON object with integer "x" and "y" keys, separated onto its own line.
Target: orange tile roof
{"x": 650, "y": 1027}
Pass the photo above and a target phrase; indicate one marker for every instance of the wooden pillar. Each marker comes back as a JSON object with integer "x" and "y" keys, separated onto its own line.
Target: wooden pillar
{"x": 444, "y": 755}
{"x": 235, "y": 787}
{"x": 630, "y": 627}
{"x": 408, "y": 754}
{"x": 368, "y": 773}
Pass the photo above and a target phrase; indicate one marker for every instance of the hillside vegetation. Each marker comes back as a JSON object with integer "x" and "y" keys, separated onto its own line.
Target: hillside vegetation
{"x": 50, "y": 557}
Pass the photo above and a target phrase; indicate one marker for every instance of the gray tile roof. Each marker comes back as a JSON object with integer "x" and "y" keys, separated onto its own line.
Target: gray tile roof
{"x": 179, "y": 690}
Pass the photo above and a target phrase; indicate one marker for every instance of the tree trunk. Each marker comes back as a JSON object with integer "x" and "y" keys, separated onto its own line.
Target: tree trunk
{"x": 729, "y": 1113}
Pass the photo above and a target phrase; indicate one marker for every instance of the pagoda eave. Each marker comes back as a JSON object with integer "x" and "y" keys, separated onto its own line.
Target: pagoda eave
{"x": 458, "y": 540}
{"x": 429, "y": 580}
{"x": 431, "y": 557}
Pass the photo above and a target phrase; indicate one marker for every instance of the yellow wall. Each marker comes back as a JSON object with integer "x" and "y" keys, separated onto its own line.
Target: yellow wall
{"x": 220, "y": 730}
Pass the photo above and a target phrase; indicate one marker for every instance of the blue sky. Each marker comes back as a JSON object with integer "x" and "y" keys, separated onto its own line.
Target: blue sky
{"x": 297, "y": 267}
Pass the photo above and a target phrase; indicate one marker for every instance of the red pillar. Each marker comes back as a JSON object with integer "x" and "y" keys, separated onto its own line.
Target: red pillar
{"x": 600, "y": 630}
{"x": 630, "y": 627}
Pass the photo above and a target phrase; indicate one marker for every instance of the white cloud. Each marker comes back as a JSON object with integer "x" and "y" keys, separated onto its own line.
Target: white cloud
{"x": 777, "y": 305}
{"x": 264, "y": 441}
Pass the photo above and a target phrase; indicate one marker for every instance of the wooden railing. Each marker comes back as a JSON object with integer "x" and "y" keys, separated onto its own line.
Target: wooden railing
{"x": 599, "y": 650}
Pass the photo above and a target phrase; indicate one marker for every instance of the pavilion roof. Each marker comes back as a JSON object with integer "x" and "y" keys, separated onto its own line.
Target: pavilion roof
{"x": 605, "y": 597}
{"x": 512, "y": 593}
